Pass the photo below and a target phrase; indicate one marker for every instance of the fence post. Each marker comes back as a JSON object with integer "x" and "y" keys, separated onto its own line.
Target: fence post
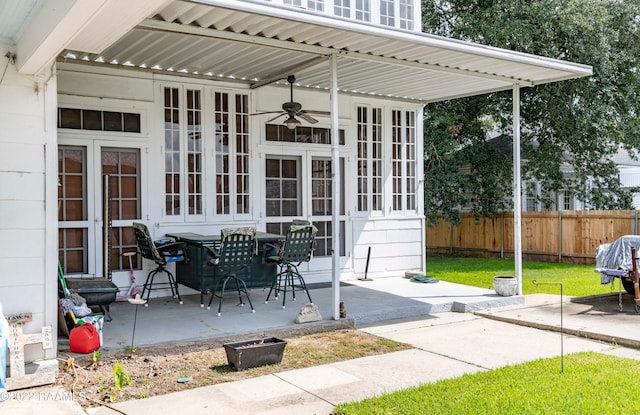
{"x": 636, "y": 222}
{"x": 559, "y": 236}
{"x": 502, "y": 235}
{"x": 450, "y": 238}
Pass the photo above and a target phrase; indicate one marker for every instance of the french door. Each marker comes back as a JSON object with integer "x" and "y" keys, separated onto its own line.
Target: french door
{"x": 299, "y": 186}
{"x": 82, "y": 168}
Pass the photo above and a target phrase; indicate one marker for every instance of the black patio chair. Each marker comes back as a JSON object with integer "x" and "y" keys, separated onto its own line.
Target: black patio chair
{"x": 161, "y": 252}
{"x": 296, "y": 249}
{"x": 237, "y": 247}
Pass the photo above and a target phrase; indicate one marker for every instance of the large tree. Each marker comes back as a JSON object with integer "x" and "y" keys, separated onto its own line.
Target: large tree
{"x": 578, "y": 124}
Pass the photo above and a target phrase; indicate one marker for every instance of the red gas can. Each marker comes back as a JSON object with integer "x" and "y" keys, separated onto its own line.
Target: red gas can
{"x": 84, "y": 339}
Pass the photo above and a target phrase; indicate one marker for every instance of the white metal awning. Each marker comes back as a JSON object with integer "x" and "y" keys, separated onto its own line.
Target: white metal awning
{"x": 220, "y": 39}
{"x": 257, "y": 43}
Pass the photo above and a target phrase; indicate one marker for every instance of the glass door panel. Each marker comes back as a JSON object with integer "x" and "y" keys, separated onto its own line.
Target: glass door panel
{"x": 123, "y": 167}
{"x": 72, "y": 209}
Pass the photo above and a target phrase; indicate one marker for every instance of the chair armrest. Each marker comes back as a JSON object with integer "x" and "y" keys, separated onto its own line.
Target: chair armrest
{"x": 215, "y": 256}
{"x": 173, "y": 249}
{"x": 275, "y": 245}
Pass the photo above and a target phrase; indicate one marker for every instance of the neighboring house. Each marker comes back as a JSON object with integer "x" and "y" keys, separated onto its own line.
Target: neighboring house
{"x": 628, "y": 173}
{"x": 533, "y": 191}
{"x": 166, "y": 96}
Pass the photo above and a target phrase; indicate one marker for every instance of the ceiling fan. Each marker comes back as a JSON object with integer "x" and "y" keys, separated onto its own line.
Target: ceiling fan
{"x": 293, "y": 109}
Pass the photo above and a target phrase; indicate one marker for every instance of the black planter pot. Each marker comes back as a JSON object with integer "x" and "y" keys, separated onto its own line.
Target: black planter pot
{"x": 254, "y": 353}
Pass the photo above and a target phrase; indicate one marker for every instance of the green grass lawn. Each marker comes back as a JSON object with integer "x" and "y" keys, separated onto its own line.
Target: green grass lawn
{"x": 577, "y": 280}
{"x": 591, "y": 383}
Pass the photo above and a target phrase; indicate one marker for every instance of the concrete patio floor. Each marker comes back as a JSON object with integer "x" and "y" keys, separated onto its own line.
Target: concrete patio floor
{"x": 165, "y": 321}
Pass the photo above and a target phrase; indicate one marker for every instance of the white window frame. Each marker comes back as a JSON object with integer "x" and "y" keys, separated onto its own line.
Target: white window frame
{"x": 371, "y": 130}
{"x": 403, "y": 179}
{"x": 183, "y": 153}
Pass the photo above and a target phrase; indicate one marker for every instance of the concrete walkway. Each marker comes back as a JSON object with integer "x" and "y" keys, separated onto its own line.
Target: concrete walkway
{"x": 446, "y": 345}
{"x": 450, "y": 345}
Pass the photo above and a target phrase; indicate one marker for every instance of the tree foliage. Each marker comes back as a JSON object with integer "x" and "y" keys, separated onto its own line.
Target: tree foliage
{"x": 574, "y": 126}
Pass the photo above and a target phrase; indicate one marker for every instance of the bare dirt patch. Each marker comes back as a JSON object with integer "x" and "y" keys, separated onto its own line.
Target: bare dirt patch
{"x": 160, "y": 370}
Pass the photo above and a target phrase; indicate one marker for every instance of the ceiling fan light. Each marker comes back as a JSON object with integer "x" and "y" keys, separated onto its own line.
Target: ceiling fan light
{"x": 291, "y": 123}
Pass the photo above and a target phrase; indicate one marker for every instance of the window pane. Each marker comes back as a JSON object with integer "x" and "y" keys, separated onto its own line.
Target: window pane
{"x": 73, "y": 187}
{"x": 289, "y": 169}
{"x": 289, "y": 208}
{"x": 289, "y": 189}
{"x": 129, "y": 162}
{"x": 273, "y": 189}
{"x": 112, "y": 121}
{"x": 70, "y": 118}
{"x": 132, "y": 123}
{"x": 74, "y": 210}
{"x": 72, "y": 251}
{"x": 72, "y": 183}
{"x": 91, "y": 120}
{"x": 273, "y": 168}
{"x": 282, "y": 190}
{"x": 129, "y": 209}
{"x": 129, "y": 187}
{"x": 273, "y": 208}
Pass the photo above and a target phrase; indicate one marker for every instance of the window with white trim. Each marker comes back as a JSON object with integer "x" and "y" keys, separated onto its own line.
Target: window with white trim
{"x": 405, "y": 14}
{"x": 317, "y": 5}
{"x": 363, "y": 10}
{"x": 531, "y": 196}
{"x": 403, "y": 160}
{"x": 283, "y": 194}
{"x": 172, "y": 151}
{"x": 342, "y": 8}
{"x": 369, "y": 158}
{"x": 194, "y": 153}
{"x": 410, "y": 160}
{"x": 242, "y": 155}
{"x": 232, "y": 153}
{"x": 566, "y": 200}
{"x": 183, "y": 152}
{"x": 387, "y": 13}
{"x": 391, "y": 13}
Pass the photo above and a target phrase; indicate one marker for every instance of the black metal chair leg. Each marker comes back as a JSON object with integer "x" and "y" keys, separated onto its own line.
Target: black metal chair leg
{"x": 304, "y": 286}
{"x": 224, "y": 286}
{"x": 174, "y": 284}
{"x": 292, "y": 285}
{"x": 236, "y": 280}
{"x": 246, "y": 293}
{"x": 148, "y": 284}
{"x": 213, "y": 294}
{"x": 275, "y": 288}
{"x": 284, "y": 291}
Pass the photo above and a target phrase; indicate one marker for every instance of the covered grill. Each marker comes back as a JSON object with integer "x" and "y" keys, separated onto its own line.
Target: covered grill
{"x": 619, "y": 260}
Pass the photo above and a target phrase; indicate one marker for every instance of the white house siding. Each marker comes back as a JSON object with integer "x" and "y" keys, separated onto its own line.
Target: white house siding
{"x": 630, "y": 178}
{"x": 397, "y": 241}
{"x": 28, "y": 282}
{"x": 396, "y": 246}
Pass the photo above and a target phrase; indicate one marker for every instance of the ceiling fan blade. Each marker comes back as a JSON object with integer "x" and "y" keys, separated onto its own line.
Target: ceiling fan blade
{"x": 306, "y": 117}
{"x": 266, "y": 112}
{"x": 327, "y": 113}
{"x": 276, "y": 117}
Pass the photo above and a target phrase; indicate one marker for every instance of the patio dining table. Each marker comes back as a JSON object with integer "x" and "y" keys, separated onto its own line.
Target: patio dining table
{"x": 196, "y": 274}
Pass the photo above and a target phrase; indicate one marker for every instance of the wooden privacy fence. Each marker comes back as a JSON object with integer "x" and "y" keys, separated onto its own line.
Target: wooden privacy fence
{"x": 555, "y": 236}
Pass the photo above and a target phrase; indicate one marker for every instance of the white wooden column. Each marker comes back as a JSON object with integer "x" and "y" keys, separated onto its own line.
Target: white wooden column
{"x": 335, "y": 191}
{"x": 517, "y": 189}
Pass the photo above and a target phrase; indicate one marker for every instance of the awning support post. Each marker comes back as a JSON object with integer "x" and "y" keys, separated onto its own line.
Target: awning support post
{"x": 517, "y": 189}
{"x": 335, "y": 190}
